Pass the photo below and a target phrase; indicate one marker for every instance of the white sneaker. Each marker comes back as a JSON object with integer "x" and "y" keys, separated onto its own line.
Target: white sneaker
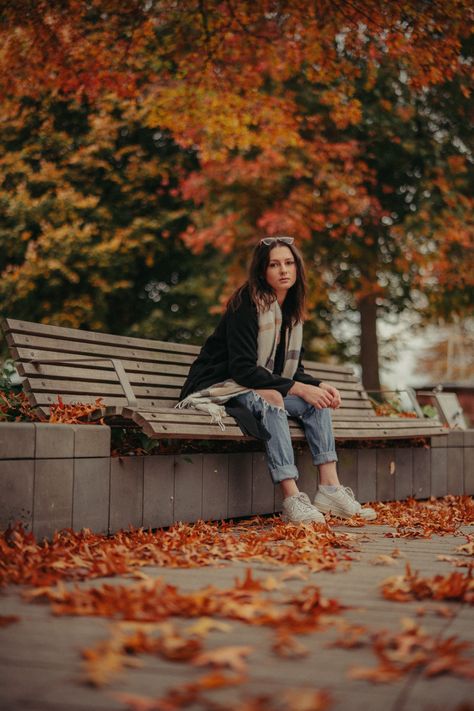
{"x": 342, "y": 503}
{"x": 299, "y": 509}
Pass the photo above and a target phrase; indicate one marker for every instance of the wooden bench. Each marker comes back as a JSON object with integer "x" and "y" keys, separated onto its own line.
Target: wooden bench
{"x": 139, "y": 381}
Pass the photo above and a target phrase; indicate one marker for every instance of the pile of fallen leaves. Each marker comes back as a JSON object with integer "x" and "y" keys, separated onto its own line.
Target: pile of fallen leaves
{"x": 75, "y": 413}
{"x": 411, "y": 586}
{"x": 152, "y": 617}
{"x": 399, "y": 653}
{"x": 15, "y": 407}
{"x": 85, "y": 555}
{"x": 387, "y": 410}
{"x": 421, "y": 519}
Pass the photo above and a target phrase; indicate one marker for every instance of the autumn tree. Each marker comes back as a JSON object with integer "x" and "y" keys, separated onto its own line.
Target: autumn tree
{"x": 315, "y": 118}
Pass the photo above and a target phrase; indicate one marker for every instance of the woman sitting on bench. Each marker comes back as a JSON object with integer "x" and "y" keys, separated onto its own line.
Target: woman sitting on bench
{"x": 252, "y": 365}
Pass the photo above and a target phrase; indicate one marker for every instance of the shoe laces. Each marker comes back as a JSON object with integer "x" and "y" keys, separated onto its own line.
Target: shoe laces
{"x": 302, "y": 496}
{"x": 351, "y": 495}
{"x": 302, "y": 501}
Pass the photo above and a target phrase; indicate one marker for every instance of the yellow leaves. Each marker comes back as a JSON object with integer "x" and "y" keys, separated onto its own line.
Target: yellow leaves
{"x": 218, "y": 121}
{"x": 345, "y": 110}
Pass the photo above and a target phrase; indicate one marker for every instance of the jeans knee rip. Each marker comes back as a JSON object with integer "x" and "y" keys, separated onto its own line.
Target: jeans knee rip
{"x": 268, "y": 406}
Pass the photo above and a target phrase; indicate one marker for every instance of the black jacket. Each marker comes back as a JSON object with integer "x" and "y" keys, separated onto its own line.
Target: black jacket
{"x": 231, "y": 352}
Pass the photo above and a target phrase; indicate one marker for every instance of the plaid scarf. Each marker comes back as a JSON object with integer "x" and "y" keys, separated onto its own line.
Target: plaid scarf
{"x": 212, "y": 399}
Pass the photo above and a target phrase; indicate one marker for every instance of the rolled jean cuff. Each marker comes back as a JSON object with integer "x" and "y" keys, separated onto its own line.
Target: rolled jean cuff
{"x": 289, "y": 471}
{"x": 325, "y": 457}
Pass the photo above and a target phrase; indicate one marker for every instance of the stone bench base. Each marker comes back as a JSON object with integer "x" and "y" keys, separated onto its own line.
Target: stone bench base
{"x": 62, "y": 476}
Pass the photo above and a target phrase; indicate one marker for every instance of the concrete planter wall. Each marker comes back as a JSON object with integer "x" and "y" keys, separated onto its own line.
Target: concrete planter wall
{"x": 61, "y": 476}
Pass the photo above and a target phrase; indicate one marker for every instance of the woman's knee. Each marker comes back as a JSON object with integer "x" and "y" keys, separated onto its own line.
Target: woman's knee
{"x": 273, "y": 397}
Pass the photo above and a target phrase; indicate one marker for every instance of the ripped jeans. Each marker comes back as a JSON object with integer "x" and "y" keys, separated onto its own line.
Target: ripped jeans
{"x": 317, "y": 426}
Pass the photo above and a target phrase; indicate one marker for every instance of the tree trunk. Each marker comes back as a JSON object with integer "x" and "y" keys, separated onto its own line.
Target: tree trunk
{"x": 369, "y": 347}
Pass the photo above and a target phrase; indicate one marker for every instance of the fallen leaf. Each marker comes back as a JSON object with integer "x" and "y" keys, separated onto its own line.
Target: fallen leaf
{"x": 286, "y": 645}
{"x": 297, "y": 573}
{"x": 455, "y": 586}
{"x": 413, "y": 648}
{"x": 204, "y": 625}
{"x": 103, "y": 662}
{"x": 233, "y": 657}
{"x": 444, "y": 611}
{"x": 467, "y": 548}
{"x": 352, "y": 635}
{"x": 270, "y": 583}
{"x": 383, "y": 559}
{"x": 377, "y": 675}
{"x": 306, "y": 700}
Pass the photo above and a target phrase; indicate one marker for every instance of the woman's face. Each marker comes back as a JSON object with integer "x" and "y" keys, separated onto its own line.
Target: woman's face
{"x": 281, "y": 271}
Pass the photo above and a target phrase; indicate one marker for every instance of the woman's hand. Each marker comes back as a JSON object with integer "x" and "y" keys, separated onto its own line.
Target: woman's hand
{"x": 334, "y": 392}
{"x": 315, "y": 395}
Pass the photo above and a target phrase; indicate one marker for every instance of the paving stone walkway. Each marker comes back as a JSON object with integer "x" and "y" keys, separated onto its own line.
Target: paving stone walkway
{"x": 40, "y": 659}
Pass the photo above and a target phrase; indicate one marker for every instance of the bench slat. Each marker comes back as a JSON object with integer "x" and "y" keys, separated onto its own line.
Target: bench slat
{"x": 30, "y": 328}
{"x": 187, "y": 414}
{"x": 194, "y": 431}
{"x": 61, "y": 373}
{"x": 369, "y": 423}
{"x": 131, "y": 366}
{"x": 72, "y": 348}
{"x": 96, "y": 388}
{"x": 58, "y": 373}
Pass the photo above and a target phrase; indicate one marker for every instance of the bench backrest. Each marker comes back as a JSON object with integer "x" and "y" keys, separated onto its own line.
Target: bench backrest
{"x": 156, "y": 370}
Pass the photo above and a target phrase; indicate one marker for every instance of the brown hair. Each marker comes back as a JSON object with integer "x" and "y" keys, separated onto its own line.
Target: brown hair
{"x": 262, "y": 293}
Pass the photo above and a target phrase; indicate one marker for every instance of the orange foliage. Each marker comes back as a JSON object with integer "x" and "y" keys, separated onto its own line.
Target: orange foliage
{"x": 75, "y": 412}
{"x": 413, "y": 648}
{"x": 455, "y": 586}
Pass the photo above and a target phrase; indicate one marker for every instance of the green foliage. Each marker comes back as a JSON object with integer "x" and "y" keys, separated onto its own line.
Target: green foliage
{"x": 90, "y": 223}
{"x": 7, "y": 372}
{"x": 429, "y": 411}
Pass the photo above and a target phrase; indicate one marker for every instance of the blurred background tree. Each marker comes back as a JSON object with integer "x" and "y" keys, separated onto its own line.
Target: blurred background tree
{"x": 90, "y": 223}
{"x": 144, "y": 149}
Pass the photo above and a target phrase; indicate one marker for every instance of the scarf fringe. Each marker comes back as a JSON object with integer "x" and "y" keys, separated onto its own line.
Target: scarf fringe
{"x": 216, "y": 412}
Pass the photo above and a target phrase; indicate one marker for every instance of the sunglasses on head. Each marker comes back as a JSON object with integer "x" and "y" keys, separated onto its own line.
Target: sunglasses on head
{"x": 270, "y": 240}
